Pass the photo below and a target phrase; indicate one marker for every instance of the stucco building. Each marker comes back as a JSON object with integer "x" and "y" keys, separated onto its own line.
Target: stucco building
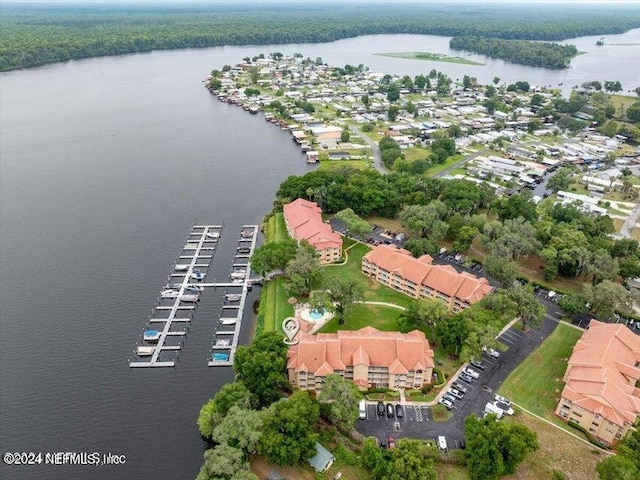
{"x": 304, "y": 222}
{"x": 368, "y": 357}
{"x": 601, "y": 392}
{"x": 418, "y": 278}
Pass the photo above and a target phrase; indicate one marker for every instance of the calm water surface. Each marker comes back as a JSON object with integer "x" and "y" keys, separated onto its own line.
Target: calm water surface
{"x": 104, "y": 166}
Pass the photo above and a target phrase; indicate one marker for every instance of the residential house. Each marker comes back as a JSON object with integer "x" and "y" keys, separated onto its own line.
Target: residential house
{"x": 304, "y": 222}
{"x": 419, "y": 278}
{"x": 601, "y": 392}
{"x": 368, "y": 357}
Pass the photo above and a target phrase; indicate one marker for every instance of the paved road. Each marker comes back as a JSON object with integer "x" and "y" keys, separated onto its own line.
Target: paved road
{"x": 461, "y": 162}
{"x": 377, "y": 156}
{"x": 417, "y": 421}
{"x": 625, "y": 231}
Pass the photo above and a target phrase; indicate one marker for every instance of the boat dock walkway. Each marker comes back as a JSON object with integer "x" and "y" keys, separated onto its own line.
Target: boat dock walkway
{"x": 203, "y": 238}
{"x": 223, "y": 347}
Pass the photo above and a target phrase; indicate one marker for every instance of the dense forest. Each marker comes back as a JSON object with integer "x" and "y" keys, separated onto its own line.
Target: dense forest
{"x": 45, "y": 33}
{"x": 536, "y": 54}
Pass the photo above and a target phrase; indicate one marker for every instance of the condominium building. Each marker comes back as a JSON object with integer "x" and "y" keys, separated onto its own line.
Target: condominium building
{"x": 418, "y": 278}
{"x": 601, "y": 392}
{"x": 304, "y": 222}
{"x": 368, "y": 357}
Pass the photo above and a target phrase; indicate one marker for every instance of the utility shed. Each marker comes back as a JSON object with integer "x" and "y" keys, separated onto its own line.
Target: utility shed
{"x": 323, "y": 459}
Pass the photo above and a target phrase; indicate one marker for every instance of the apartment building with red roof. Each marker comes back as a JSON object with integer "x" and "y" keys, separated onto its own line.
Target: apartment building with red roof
{"x": 601, "y": 393}
{"x": 419, "y": 278}
{"x": 304, "y": 222}
{"x": 368, "y": 357}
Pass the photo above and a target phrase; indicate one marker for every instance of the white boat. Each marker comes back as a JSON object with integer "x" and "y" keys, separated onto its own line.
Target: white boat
{"x": 238, "y": 275}
{"x": 233, "y": 297}
{"x": 228, "y": 321}
{"x": 198, "y": 275}
{"x": 214, "y": 235}
{"x": 151, "y": 335}
{"x": 193, "y": 288}
{"x": 169, "y": 294}
{"x": 145, "y": 350}
{"x": 191, "y": 298}
{"x": 223, "y": 342}
{"x": 247, "y": 234}
{"x": 181, "y": 267}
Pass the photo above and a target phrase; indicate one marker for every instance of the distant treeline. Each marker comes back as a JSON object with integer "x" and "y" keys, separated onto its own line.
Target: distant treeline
{"x": 536, "y": 54}
{"x": 35, "y": 34}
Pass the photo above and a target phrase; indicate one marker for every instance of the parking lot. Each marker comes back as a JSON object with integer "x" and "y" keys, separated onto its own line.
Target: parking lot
{"x": 417, "y": 421}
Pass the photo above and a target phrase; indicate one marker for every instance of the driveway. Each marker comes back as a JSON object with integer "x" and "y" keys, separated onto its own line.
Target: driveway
{"x": 377, "y": 156}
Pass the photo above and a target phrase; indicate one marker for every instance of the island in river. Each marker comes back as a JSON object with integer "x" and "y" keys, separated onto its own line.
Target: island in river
{"x": 434, "y": 57}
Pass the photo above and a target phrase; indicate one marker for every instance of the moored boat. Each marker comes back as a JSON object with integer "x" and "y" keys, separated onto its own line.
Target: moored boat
{"x": 145, "y": 350}
{"x": 228, "y": 321}
{"x": 151, "y": 335}
{"x": 220, "y": 357}
{"x": 190, "y": 298}
{"x": 198, "y": 275}
{"x": 233, "y": 297}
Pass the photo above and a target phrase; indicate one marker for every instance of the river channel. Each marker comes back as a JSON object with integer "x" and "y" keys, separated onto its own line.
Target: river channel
{"x": 105, "y": 164}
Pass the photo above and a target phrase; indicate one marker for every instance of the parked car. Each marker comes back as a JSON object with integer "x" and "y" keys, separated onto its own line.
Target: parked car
{"x": 466, "y": 378}
{"x": 391, "y": 443}
{"x": 390, "y": 410}
{"x": 455, "y": 393}
{"x": 491, "y": 352}
{"x": 449, "y": 397}
{"x": 447, "y": 404}
{"x": 477, "y": 364}
{"x": 399, "y": 411}
{"x": 472, "y": 373}
{"x": 501, "y": 399}
{"x": 380, "y": 409}
{"x": 459, "y": 387}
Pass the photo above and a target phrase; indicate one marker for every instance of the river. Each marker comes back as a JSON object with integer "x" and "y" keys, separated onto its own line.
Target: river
{"x": 104, "y": 166}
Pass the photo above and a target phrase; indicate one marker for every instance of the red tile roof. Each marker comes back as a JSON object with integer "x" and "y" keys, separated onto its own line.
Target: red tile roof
{"x": 441, "y": 278}
{"x": 602, "y": 372}
{"x": 400, "y": 352}
{"x": 305, "y": 220}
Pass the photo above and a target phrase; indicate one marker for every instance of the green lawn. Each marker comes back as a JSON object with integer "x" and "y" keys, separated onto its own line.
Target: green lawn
{"x": 275, "y": 307}
{"x": 373, "y": 290}
{"x": 338, "y": 164}
{"x": 536, "y": 383}
{"x": 361, "y": 315}
{"x": 276, "y": 228}
{"x": 273, "y": 299}
{"x": 448, "y": 163}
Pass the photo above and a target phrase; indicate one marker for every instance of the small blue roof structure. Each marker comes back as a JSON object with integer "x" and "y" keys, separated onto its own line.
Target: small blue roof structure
{"x": 323, "y": 459}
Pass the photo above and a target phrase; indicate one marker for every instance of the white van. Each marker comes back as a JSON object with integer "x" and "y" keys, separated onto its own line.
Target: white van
{"x": 362, "y": 406}
{"x": 442, "y": 442}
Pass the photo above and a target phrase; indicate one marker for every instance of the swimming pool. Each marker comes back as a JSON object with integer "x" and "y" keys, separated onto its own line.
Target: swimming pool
{"x": 316, "y": 314}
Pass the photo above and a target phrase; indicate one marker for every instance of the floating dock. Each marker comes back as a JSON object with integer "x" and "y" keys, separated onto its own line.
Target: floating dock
{"x": 223, "y": 346}
{"x": 203, "y": 238}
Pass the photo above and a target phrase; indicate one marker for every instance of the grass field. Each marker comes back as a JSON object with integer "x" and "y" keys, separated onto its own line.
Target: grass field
{"x": 360, "y": 315}
{"x": 430, "y": 56}
{"x": 373, "y": 290}
{"x": 273, "y": 298}
{"x": 338, "y": 164}
{"x": 558, "y": 452}
{"x": 536, "y": 383}
{"x": 439, "y": 168}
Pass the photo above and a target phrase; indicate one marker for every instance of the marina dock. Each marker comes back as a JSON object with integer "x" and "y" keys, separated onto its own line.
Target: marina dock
{"x": 224, "y": 348}
{"x": 203, "y": 238}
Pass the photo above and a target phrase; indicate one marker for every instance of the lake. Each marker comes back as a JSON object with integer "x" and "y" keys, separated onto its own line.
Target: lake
{"x": 105, "y": 164}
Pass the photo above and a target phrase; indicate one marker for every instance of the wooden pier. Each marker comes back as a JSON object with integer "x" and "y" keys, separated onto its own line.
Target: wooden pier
{"x": 200, "y": 239}
{"x": 239, "y": 308}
